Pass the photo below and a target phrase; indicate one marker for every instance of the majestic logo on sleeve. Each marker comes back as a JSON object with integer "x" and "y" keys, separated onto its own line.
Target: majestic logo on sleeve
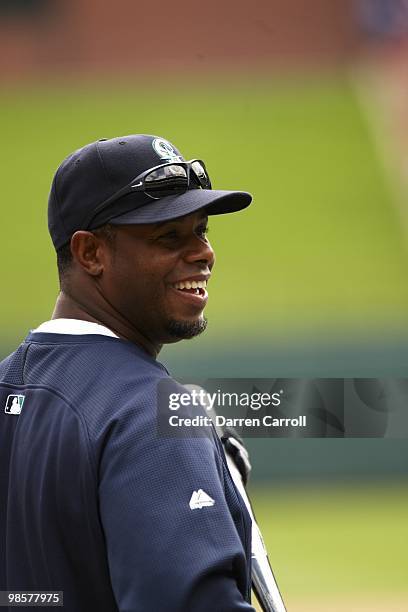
{"x": 165, "y": 150}
{"x": 14, "y": 404}
{"x": 199, "y": 499}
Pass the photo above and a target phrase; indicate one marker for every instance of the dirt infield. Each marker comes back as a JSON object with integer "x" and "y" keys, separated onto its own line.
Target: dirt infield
{"x": 89, "y": 36}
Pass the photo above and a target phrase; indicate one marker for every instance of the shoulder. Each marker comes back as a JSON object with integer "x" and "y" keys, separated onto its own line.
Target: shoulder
{"x": 103, "y": 378}
{"x": 73, "y": 363}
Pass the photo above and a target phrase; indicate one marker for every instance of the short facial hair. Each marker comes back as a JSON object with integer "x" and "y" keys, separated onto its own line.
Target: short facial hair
{"x": 185, "y": 330}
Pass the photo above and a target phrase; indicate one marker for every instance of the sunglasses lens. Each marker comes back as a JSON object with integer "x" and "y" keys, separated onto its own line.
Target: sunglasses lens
{"x": 201, "y": 173}
{"x": 166, "y": 181}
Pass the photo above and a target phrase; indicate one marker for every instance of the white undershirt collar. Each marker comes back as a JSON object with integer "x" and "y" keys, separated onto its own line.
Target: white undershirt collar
{"x": 73, "y": 326}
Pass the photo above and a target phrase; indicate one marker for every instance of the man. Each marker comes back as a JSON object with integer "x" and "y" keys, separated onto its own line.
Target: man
{"x": 93, "y": 502}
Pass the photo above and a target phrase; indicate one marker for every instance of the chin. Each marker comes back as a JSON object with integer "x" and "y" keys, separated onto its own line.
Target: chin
{"x": 185, "y": 330}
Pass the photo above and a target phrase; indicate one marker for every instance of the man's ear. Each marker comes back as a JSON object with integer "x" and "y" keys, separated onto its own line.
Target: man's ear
{"x": 88, "y": 251}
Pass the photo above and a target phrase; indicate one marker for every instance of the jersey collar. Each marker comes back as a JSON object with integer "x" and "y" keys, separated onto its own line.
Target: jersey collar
{"x": 73, "y": 327}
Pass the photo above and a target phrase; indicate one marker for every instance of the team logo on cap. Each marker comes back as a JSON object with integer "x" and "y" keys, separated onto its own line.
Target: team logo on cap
{"x": 164, "y": 150}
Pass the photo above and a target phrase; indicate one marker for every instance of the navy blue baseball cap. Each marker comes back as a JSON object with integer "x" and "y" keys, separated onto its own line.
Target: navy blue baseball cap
{"x": 97, "y": 184}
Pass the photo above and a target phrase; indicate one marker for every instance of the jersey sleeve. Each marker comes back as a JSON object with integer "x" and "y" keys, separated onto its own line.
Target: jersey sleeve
{"x": 166, "y": 550}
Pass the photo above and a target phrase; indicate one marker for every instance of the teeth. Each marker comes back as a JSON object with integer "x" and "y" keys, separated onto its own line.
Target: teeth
{"x": 191, "y": 285}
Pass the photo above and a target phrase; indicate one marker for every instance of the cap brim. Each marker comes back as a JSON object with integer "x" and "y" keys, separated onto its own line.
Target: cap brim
{"x": 172, "y": 207}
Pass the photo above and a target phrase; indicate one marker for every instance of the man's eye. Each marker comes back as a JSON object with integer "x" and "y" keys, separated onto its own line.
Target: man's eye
{"x": 202, "y": 231}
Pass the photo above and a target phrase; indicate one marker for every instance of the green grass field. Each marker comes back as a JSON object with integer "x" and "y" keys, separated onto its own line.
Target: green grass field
{"x": 334, "y": 545}
{"x": 321, "y": 249}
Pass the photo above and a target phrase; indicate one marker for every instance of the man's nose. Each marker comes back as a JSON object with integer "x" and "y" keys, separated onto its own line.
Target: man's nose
{"x": 200, "y": 250}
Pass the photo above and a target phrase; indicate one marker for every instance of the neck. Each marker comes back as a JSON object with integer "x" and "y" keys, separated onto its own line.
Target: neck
{"x": 68, "y": 307}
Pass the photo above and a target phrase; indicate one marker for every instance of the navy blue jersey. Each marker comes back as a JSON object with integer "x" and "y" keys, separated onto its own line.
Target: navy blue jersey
{"x": 94, "y": 503}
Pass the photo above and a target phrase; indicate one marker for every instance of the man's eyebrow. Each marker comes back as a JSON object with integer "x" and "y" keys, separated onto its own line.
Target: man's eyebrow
{"x": 204, "y": 218}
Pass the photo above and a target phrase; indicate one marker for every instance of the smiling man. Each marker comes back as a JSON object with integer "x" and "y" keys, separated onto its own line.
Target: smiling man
{"x": 93, "y": 502}
{"x": 153, "y": 285}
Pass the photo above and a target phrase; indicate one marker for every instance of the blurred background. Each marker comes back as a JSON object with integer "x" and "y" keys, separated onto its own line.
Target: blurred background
{"x": 304, "y": 104}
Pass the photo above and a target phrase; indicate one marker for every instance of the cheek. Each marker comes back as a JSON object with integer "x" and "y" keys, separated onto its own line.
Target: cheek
{"x": 120, "y": 280}
{"x": 141, "y": 279}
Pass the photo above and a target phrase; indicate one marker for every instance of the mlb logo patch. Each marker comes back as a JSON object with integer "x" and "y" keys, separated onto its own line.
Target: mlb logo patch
{"x": 14, "y": 404}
